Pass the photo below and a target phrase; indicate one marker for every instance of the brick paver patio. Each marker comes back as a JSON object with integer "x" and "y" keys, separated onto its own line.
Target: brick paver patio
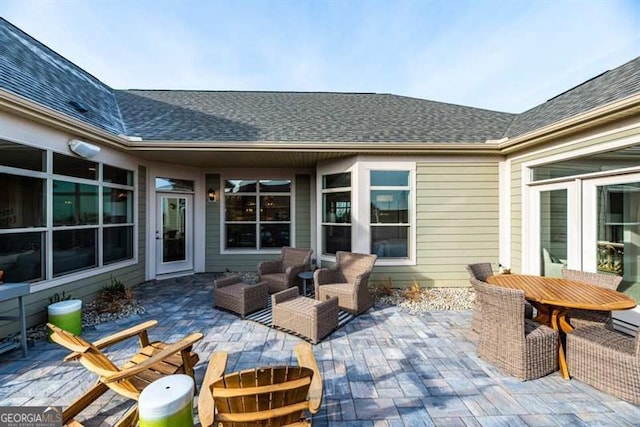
{"x": 385, "y": 368}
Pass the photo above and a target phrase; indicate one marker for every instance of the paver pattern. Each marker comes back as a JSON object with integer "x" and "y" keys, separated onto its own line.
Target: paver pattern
{"x": 385, "y": 368}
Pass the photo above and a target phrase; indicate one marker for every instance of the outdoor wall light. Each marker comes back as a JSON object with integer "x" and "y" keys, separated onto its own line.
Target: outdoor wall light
{"x": 211, "y": 195}
{"x": 83, "y": 149}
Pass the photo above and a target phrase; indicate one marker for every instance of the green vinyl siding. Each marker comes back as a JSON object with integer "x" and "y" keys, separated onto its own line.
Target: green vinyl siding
{"x": 457, "y": 216}
{"x": 215, "y": 261}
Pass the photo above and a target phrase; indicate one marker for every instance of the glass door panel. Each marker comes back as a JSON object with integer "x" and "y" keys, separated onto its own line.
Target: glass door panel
{"x": 553, "y": 232}
{"x": 174, "y": 234}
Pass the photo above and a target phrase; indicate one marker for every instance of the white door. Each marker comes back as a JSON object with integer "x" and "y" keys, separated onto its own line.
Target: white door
{"x": 555, "y": 233}
{"x": 174, "y": 236}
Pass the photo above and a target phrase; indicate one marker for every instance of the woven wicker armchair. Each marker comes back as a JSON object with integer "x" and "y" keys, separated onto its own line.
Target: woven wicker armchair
{"x": 348, "y": 281}
{"x": 480, "y": 271}
{"x": 607, "y": 360}
{"x": 580, "y": 318}
{"x": 518, "y": 346}
{"x": 282, "y": 273}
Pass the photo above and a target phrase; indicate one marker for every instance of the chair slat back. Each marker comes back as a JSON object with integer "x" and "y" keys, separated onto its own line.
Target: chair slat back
{"x": 351, "y": 264}
{"x": 480, "y": 270}
{"x": 607, "y": 281}
{"x": 277, "y": 394}
{"x": 295, "y": 256}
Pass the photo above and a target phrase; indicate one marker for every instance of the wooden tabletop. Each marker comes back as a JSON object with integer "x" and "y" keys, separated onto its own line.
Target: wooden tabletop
{"x": 564, "y": 293}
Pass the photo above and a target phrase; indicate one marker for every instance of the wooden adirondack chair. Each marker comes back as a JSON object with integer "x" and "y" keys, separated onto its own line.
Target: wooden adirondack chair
{"x": 274, "y": 396}
{"x": 152, "y": 361}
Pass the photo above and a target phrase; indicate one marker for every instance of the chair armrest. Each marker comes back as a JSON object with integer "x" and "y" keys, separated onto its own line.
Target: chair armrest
{"x": 170, "y": 350}
{"x": 139, "y": 330}
{"x": 362, "y": 280}
{"x": 206, "y": 404}
{"x": 293, "y": 271}
{"x": 323, "y": 276}
{"x": 229, "y": 280}
{"x": 269, "y": 267}
{"x": 285, "y": 295}
{"x": 307, "y": 360}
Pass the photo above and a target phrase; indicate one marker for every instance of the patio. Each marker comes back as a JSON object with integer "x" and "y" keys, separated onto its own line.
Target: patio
{"x": 386, "y": 367}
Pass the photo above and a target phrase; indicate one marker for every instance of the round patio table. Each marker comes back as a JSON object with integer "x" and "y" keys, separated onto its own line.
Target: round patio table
{"x": 553, "y": 297}
{"x": 305, "y": 275}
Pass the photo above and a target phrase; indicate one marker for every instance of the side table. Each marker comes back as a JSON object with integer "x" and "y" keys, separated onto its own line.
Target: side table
{"x": 10, "y": 291}
{"x": 305, "y": 275}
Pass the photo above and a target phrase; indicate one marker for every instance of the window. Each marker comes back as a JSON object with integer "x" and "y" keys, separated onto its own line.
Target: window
{"x": 390, "y": 222}
{"x": 257, "y": 213}
{"x": 336, "y": 213}
{"x": 86, "y": 212}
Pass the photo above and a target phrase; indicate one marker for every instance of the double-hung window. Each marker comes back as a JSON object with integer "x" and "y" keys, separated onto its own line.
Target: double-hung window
{"x": 390, "y": 223}
{"x": 336, "y": 213}
{"x": 257, "y": 213}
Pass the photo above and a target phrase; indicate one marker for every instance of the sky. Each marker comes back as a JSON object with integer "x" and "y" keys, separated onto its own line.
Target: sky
{"x": 504, "y": 55}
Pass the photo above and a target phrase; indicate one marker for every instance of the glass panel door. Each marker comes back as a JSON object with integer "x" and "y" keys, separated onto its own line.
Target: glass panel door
{"x": 174, "y": 235}
{"x": 553, "y": 232}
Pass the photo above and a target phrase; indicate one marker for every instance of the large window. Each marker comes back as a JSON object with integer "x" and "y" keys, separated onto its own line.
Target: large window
{"x": 257, "y": 213}
{"x": 336, "y": 213}
{"x": 389, "y": 222}
{"x": 91, "y": 208}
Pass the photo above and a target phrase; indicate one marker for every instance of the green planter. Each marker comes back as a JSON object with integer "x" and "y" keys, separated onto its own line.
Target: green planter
{"x": 66, "y": 315}
{"x": 167, "y": 402}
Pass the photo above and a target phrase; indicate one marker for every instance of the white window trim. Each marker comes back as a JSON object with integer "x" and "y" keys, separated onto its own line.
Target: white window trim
{"x": 222, "y": 206}
{"x": 364, "y": 210}
{"x": 48, "y": 176}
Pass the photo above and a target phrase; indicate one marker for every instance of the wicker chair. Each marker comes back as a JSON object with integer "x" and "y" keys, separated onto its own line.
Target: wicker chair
{"x": 282, "y": 273}
{"x": 580, "y": 318}
{"x": 480, "y": 271}
{"x": 518, "y": 346}
{"x": 607, "y": 360}
{"x": 348, "y": 281}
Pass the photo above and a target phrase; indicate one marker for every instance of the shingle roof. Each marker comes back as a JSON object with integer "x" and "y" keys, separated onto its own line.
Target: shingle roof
{"x": 607, "y": 87}
{"x": 32, "y": 70}
{"x": 303, "y": 116}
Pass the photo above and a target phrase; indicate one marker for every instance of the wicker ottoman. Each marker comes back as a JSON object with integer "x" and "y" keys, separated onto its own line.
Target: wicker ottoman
{"x": 235, "y": 295}
{"x": 305, "y": 316}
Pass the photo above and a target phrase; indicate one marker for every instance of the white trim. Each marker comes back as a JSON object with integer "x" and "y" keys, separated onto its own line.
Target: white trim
{"x": 504, "y": 212}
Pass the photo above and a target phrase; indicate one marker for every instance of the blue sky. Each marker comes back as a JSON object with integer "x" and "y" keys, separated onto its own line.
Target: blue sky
{"x": 502, "y": 55}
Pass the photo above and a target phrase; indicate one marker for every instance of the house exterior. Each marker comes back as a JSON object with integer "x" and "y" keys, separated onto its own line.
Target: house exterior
{"x": 203, "y": 181}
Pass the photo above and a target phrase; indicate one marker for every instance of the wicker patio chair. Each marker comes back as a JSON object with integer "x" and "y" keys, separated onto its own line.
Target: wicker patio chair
{"x": 517, "y": 346}
{"x": 152, "y": 361}
{"x": 580, "y": 318}
{"x": 282, "y": 273}
{"x": 233, "y": 294}
{"x": 348, "y": 281}
{"x": 305, "y": 316}
{"x": 480, "y": 271}
{"x": 607, "y": 360}
{"x": 273, "y": 396}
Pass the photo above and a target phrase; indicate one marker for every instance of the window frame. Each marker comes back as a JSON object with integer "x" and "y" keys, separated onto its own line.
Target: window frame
{"x": 49, "y": 280}
{"x": 258, "y": 221}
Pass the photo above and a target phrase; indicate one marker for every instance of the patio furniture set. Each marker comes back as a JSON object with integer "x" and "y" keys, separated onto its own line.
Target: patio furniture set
{"x": 342, "y": 287}
{"x": 572, "y": 330}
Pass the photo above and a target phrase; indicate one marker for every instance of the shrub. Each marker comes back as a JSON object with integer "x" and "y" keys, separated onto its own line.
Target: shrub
{"x": 59, "y": 297}
{"x": 414, "y": 293}
{"x": 114, "y": 297}
{"x": 383, "y": 289}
